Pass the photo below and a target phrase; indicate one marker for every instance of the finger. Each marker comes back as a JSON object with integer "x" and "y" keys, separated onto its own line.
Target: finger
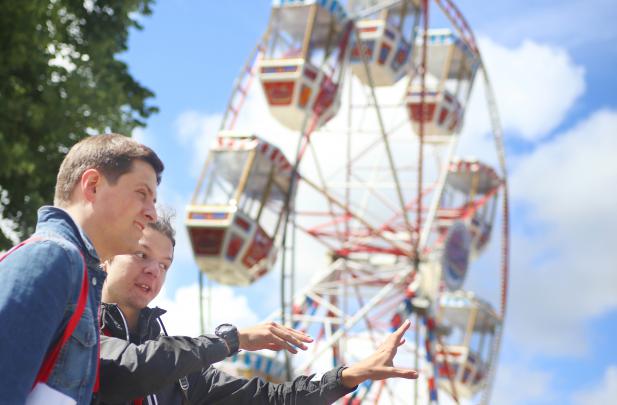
{"x": 383, "y": 373}
{"x": 300, "y": 335}
{"x": 398, "y": 334}
{"x": 288, "y": 337}
{"x": 404, "y": 373}
{"x": 283, "y": 344}
{"x": 403, "y": 328}
{"x": 291, "y": 349}
{"x": 274, "y": 347}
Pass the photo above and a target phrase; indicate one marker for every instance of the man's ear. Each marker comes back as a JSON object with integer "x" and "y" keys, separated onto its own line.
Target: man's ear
{"x": 89, "y": 182}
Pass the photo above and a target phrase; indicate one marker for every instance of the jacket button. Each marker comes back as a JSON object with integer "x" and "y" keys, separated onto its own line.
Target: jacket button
{"x": 93, "y": 281}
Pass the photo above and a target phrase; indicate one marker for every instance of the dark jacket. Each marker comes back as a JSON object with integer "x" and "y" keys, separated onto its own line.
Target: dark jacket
{"x": 153, "y": 363}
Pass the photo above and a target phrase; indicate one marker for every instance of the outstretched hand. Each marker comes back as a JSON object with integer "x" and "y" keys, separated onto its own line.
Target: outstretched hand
{"x": 379, "y": 365}
{"x": 273, "y": 336}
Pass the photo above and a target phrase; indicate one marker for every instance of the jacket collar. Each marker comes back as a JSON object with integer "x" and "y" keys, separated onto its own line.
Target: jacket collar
{"x": 114, "y": 324}
{"x": 56, "y": 220}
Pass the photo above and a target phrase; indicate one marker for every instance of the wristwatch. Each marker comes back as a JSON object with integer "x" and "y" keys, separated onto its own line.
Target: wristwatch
{"x": 229, "y": 334}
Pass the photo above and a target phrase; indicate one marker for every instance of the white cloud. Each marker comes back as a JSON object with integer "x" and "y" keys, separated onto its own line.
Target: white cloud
{"x": 535, "y": 87}
{"x": 563, "y": 192}
{"x": 601, "y": 394}
{"x": 171, "y": 199}
{"x": 196, "y": 132}
{"x": 567, "y": 181}
{"x": 517, "y": 384}
{"x": 223, "y": 306}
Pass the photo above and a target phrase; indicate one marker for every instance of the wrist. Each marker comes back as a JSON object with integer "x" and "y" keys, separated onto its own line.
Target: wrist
{"x": 242, "y": 340}
{"x": 351, "y": 377}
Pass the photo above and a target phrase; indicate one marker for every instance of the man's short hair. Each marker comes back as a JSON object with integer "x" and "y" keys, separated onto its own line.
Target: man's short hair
{"x": 111, "y": 154}
{"x": 164, "y": 225}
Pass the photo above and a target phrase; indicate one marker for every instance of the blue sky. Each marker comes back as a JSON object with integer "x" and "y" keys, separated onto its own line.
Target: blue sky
{"x": 552, "y": 64}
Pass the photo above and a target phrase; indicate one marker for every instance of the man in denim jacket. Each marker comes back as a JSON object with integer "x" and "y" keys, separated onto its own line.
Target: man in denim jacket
{"x": 104, "y": 198}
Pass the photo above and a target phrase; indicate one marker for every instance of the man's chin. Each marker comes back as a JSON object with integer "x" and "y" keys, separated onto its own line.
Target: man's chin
{"x": 127, "y": 247}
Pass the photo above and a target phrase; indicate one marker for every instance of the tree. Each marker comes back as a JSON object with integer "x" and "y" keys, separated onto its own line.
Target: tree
{"x": 60, "y": 80}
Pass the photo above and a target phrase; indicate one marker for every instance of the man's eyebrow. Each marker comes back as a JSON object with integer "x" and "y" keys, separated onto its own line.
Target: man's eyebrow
{"x": 145, "y": 246}
{"x": 150, "y": 191}
{"x": 149, "y": 249}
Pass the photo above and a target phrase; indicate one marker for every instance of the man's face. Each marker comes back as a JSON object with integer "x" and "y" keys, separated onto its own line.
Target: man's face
{"x": 122, "y": 210}
{"x": 136, "y": 279}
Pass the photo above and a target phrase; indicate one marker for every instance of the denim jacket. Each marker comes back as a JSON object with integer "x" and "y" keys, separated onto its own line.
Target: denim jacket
{"x": 39, "y": 286}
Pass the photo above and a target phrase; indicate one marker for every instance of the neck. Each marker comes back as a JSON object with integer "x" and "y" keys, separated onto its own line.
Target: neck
{"x": 132, "y": 317}
{"x": 85, "y": 220}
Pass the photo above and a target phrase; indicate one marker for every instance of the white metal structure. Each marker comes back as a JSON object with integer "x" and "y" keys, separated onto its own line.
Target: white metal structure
{"x": 403, "y": 220}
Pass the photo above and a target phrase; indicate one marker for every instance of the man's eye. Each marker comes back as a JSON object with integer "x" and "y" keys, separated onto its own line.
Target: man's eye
{"x": 163, "y": 266}
{"x": 141, "y": 255}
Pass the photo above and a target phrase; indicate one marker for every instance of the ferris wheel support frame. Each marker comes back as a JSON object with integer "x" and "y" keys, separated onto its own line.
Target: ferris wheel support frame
{"x": 419, "y": 229}
{"x": 400, "y": 277}
{"x": 422, "y": 229}
{"x": 309, "y": 124}
{"x": 382, "y": 130}
{"x": 505, "y": 224}
{"x": 459, "y": 22}
{"x": 416, "y": 248}
{"x": 240, "y": 91}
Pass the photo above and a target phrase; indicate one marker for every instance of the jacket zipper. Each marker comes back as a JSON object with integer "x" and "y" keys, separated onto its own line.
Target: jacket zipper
{"x": 152, "y": 400}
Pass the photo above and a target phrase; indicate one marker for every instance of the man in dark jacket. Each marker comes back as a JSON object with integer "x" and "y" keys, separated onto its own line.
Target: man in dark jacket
{"x": 140, "y": 363}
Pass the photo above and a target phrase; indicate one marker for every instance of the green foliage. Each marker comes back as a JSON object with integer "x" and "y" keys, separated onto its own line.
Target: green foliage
{"x": 59, "y": 80}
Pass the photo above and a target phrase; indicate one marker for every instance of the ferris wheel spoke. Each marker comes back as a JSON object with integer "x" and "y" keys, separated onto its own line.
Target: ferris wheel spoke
{"x": 448, "y": 370}
{"x": 325, "y": 187}
{"x": 383, "y": 133}
{"x": 373, "y": 230}
{"x": 441, "y": 182}
{"x": 375, "y": 193}
{"x": 361, "y": 313}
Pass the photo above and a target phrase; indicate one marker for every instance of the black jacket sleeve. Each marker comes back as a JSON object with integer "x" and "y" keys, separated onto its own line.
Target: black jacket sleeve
{"x": 129, "y": 371}
{"x": 213, "y": 386}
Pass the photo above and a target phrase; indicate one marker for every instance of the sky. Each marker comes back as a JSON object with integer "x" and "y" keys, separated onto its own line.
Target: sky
{"x": 552, "y": 67}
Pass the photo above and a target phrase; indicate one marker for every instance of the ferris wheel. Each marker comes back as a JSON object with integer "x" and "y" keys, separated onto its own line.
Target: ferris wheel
{"x": 375, "y": 98}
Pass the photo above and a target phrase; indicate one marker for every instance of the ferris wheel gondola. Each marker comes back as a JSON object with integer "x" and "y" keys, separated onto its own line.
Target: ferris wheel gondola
{"x": 386, "y": 37}
{"x": 235, "y": 215}
{"x": 451, "y": 67}
{"x": 301, "y": 68}
{"x": 468, "y": 327}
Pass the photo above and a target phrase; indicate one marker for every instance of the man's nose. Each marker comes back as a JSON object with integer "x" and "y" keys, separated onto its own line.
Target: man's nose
{"x": 152, "y": 267}
{"x": 150, "y": 212}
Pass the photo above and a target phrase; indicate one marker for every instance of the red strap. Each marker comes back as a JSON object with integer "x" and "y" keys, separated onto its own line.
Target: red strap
{"x": 50, "y": 359}
{"x": 32, "y": 239}
{"x": 97, "y": 381}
